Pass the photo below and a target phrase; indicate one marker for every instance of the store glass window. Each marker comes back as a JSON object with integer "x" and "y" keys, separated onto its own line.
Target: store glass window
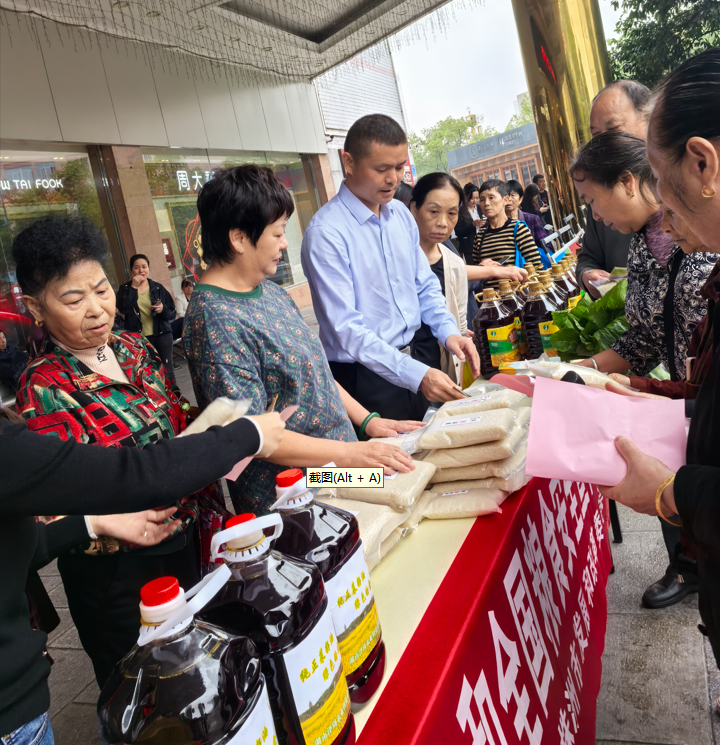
{"x": 35, "y": 181}
{"x": 176, "y": 176}
{"x": 533, "y": 170}
{"x": 525, "y": 174}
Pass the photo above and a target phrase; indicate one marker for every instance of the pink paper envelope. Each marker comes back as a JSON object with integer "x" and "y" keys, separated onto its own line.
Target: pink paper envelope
{"x": 240, "y": 466}
{"x": 573, "y": 428}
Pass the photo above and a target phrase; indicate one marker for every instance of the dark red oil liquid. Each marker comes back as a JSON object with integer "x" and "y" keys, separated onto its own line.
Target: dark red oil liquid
{"x": 328, "y": 536}
{"x": 191, "y": 689}
{"x": 276, "y": 601}
{"x": 538, "y": 309}
{"x": 492, "y": 314}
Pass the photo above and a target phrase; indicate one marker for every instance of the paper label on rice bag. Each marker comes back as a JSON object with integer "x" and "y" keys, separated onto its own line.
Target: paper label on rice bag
{"x": 459, "y": 491}
{"x": 474, "y": 400}
{"x": 354, "y": 614}
{"x": 455, "y": 422}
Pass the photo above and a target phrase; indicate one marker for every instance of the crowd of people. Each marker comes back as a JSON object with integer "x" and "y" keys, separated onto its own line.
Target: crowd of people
{"x": 392, "y": 294}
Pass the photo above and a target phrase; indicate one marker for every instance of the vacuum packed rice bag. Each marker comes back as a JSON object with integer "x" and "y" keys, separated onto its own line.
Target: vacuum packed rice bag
{"x": 495, "y": 468}
{"x": 461, "y": 431}
{"x": 465, "y": 503}
{"x": 486, "y": 451}
{"x": 556, "y": 370}
{"x": 400, "y": 491}
{"x": 376, "y": 521}
{"x": 406, "y": 441}
{"x": 502, "y": 399}
{"x": 385, "y": 548}
{"x": 513, "y": 482}
{"x": 418, "y": 511}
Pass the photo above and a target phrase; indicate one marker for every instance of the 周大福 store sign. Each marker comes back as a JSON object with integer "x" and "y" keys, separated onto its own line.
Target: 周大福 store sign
{"x": 21, "y": 184}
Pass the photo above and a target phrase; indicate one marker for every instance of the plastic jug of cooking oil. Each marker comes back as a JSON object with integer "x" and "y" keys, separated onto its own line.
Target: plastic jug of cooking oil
{"x": 186, "y": 682}
{"x": 281, "y": 604}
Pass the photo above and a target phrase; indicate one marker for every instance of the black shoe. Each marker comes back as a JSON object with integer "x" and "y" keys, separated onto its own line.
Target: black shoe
{"x": 667, "y": 591}
{"x": 177, "y": 365}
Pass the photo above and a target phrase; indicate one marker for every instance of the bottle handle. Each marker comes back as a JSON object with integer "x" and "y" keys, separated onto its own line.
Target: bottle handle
{"x": 203, "y": 592}
{"x": 244, "y": 529}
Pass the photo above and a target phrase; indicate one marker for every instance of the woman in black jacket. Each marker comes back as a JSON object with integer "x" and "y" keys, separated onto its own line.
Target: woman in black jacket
{"x": 45, "y": 475}
{"x": 148, "y": 309}
{"x": 684, "y": 149}
{"x": 12, "y": 362}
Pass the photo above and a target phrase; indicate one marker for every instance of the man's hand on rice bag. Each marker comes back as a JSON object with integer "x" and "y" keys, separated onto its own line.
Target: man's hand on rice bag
{"x": 379, "y": 427}
{"x": 374, "y": 454}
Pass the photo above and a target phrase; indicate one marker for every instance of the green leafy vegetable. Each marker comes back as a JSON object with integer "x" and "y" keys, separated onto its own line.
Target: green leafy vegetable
{"x": 591, "y": 326}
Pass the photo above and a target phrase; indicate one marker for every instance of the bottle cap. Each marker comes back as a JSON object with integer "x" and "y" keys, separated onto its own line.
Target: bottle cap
{"x": 287, "y": 478}
{"x": 160, "y": 591}
{"x": 557, "y": 270}
{"x": 489, "y": 295}
{"x": 536, "y": 288}
{"x": 240, "y": 519}
{"x": 504, "y": 287}
{"x": 159, "y": 599}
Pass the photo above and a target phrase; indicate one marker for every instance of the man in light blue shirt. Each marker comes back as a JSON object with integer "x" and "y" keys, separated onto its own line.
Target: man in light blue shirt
{"x": 371, "y": 284}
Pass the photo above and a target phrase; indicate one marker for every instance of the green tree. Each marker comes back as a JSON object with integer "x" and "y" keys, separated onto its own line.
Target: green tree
{"x": 655, "y": 36}
{"x": 525, "y": 116}
{"x": 431, "y": 146}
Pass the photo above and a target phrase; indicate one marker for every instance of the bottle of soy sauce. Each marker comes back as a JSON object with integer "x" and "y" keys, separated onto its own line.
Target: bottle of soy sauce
{"x": 553, "y": 291}
{"x": 281, "y": 604}
{"x": 511, "y": 301}
{"x": 495, "y": 334}
{"x": 537, "y": 321}
{"x": 330, "y": 538}
{"x": 185, "y": 682}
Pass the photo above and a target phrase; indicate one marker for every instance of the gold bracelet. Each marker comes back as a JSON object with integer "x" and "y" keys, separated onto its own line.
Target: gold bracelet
{"x": 658, "y": 498}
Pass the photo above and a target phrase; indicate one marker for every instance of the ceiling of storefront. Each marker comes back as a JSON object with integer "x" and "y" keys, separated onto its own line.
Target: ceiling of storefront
{"x": 292, "y": 39}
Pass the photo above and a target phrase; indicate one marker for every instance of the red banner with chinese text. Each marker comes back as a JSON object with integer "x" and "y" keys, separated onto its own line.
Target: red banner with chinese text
{"x": 509, "y": 650}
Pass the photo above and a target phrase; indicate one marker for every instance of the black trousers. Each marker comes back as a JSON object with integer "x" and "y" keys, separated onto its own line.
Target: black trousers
{"x": 103, "y": 594}
{"x": 377, "y": 394}
{"x": 163, "y": 344}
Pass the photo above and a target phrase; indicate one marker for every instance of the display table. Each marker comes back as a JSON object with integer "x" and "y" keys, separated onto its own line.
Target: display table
{"x": 494, "y": 628}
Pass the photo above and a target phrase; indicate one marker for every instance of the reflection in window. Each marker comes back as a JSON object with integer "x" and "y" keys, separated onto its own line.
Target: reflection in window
{"x": 175, "y": 178}
{"x": 23, "y": 173}
{"x": 45, "y": 170}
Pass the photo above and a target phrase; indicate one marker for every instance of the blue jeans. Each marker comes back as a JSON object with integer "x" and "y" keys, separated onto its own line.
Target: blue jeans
{"x": 37, "y": 732}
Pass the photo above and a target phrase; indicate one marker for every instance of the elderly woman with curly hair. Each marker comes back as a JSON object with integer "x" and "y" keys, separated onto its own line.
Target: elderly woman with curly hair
{"x": 93, "y": 386}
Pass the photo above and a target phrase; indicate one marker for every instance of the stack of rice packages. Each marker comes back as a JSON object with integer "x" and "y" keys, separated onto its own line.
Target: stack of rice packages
{"x": 478, "y": 447}
{"x": 468, "y": 458}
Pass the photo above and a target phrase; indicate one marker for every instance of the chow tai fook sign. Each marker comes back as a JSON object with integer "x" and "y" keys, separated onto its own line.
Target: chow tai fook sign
{"x": 509, "y": 651}
{"x": 24, "y": 185}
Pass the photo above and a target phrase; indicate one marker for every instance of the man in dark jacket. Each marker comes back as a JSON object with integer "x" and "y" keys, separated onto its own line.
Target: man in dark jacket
{"x": 620, "y": 106}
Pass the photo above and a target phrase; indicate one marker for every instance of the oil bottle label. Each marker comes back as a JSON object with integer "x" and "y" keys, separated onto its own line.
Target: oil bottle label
{"x": 522, "y": 344}
{"x": 353, "y": 611}
{"x": 317, "y": 679}
{"x": 547, "y": 329}
{"x": 573, "y": 301}
{"x": 503, "y": 344}
{"x": 258, "y": 727}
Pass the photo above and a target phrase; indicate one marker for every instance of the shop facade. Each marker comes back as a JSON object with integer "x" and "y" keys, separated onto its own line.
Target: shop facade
{"x": 128, "y": 138}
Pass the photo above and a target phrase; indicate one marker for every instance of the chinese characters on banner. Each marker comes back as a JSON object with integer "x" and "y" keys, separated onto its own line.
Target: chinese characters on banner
{"x": 528, "y": 615}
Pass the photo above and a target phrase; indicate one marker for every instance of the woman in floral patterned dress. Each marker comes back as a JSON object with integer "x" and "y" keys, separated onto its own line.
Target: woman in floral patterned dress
{"x": 111, "y": 390}
{"x": 246, "y": 339}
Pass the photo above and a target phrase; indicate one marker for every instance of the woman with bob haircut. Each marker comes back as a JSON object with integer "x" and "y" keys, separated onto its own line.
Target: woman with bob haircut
{"x": 109, "y": 390}
{"x": 684, "y": 150}
{"x": 246, "y": 339}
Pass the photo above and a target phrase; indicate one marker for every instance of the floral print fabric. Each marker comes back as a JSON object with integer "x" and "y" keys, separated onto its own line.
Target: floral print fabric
{"x": 256, "y": 346}
{"x": 645, "y": 345}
